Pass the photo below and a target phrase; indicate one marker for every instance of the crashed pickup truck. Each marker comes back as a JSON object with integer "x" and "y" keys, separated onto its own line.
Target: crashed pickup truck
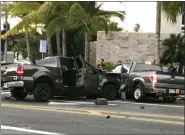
{"x": 57, "y": 76}
{"x": 142, "y": 80}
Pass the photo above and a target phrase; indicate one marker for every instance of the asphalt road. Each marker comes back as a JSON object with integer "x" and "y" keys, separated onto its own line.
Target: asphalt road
{"x": 81, "y": 116}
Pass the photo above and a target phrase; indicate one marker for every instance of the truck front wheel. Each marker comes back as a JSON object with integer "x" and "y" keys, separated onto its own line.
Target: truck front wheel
{"x": 19, "y": 93}
{"x": 109, "y": 92}
{"x": 42, "y": 92}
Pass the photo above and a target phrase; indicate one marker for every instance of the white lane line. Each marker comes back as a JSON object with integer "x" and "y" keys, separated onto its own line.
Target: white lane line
{"x": 123, "y": 102}
{"x": 29, "y": 130}
{"x": 76, "y": 103}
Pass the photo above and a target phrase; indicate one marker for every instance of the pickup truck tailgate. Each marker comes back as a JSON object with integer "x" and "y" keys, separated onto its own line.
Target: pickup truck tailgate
{"x": 8, "y": 72}
{"x": 170, "y": 80}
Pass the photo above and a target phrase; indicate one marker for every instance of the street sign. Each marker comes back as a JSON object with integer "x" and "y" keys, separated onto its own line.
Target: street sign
{"x": 43, "y": 46}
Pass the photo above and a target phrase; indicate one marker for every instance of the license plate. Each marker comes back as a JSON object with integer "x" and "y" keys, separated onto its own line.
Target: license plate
{"x": 171, "y": 90}
{"x": 15, "y": 84}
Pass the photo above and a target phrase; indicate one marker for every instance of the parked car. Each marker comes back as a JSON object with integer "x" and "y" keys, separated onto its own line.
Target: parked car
{"x": 58, "y": 76}
{"x": 142, "y": 80}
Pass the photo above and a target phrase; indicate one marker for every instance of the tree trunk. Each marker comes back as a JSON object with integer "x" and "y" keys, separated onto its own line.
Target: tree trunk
{"x": 158, "y": 29}
{"x": 50, "y": 52}
{"x": 87, "y": 46}
{"x": 58, "y": 44}
{"x": 64, "y": 45}
{"x": 28, "y": 47}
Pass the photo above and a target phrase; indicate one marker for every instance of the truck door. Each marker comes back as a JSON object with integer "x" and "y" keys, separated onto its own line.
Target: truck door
{"x": 125, "y": 76}
{"x": 91, "y": 79}
{"x": 80, "y": 71}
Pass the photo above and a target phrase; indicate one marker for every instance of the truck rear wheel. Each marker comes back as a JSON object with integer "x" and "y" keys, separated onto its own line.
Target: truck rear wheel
{"x": 109, "y": 92}
{"x": 139, "y": 93}
{"x": 42, "y": 92}
{"x": 19, "y": 93}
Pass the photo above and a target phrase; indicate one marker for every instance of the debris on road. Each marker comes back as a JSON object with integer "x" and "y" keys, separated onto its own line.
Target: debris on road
{"x": 101, "y": 101}
{"x": 108, "y": 117}
{"x": 142, "y": 107}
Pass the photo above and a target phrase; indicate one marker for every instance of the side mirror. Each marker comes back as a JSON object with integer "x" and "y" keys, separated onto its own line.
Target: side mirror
{"x": 64, "y": 68}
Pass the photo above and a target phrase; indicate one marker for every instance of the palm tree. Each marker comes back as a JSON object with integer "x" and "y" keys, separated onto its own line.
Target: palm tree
{"x": 89, "y": 17}
{"x": 29, "y": 17}
{"x": 137, "y": 27}
{"x": 158, "y": 29}
{"x": 172, "y": 10}
{"x": 60, "y": 22}
{"x": 21, "y": 9}
{"x": 174, "y": 49}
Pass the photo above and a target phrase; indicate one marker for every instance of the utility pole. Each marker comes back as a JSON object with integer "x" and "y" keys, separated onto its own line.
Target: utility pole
{"x": 6, "y": 40}
{"x": 0, "y": 55}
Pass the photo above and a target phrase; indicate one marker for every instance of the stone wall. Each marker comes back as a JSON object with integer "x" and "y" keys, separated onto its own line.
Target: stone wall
{"x": 125, "y": 46}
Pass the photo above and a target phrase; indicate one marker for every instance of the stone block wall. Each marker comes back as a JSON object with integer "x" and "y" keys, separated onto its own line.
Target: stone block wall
{"x": 125, "y": 46}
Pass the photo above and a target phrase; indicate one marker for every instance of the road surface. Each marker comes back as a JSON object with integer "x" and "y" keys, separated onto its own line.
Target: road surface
{"x": 81, "y": 116}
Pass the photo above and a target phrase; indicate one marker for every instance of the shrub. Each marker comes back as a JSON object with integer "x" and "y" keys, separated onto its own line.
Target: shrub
{"x": 109, "y": 66}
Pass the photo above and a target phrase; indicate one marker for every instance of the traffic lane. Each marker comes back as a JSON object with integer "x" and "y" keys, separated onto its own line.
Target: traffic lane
{"x": 67, "y": 123}
{"x": 120, "y": 106}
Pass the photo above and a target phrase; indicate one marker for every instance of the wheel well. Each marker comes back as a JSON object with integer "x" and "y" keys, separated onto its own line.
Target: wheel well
{"x": 111, "y": 83}
{"x": 45, "y": 79}
{"x": 136, "y": 83}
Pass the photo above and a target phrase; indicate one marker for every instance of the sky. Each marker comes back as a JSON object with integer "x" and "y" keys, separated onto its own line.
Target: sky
{"x": 142, "y": 13}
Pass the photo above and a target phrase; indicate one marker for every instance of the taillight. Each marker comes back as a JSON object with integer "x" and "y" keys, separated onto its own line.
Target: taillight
{"x": 153, "y": 79}
{"x": 20, "y": 71}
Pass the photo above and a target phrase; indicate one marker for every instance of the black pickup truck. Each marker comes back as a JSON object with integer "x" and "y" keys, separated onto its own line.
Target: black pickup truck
{"x": 140, "y": 80}
{"x": 57, "y": 76}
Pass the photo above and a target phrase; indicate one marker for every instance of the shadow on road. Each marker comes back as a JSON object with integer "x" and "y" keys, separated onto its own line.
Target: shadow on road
{"x": 30, "y": 100}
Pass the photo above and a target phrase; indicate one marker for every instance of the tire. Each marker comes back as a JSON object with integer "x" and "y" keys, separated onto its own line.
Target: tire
{"x": 109, "y": 92}
{"x": 139, "y": 93}
{"x": 19, "y": 93}
{"x": 169, "y": 99}
{"x": 42, "y": 92}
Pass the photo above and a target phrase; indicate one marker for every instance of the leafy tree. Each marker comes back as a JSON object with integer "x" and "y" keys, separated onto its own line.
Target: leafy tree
{"x": 89, "y": 18}
{"x": 21, "y": 48}
{"x": 174, "y": 49}
{"x": 21, "y": 9}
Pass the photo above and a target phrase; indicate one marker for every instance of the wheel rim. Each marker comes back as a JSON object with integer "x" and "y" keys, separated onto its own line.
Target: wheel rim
{"x": 137, "y": 93}
{"x": 44, "y": 93}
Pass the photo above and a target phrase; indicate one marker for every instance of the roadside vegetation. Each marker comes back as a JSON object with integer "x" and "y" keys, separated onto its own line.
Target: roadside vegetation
{"x": 68, "y": 28}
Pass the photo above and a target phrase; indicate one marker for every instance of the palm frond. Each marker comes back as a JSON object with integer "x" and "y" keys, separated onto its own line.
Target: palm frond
{"x": 100, "y": 20}
{"x": 76, "y": 13}
{"x": 56, "y": 25}
{"x": 31, "y": 18}
{"x": 23, "y": 8}
{"x": 120, "y": 14}
{"x": 172, "y": 10}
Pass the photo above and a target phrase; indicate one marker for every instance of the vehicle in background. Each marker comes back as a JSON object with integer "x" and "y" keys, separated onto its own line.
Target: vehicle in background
{"x": 143, "y": 80}
{"x": 58, "y": 76}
